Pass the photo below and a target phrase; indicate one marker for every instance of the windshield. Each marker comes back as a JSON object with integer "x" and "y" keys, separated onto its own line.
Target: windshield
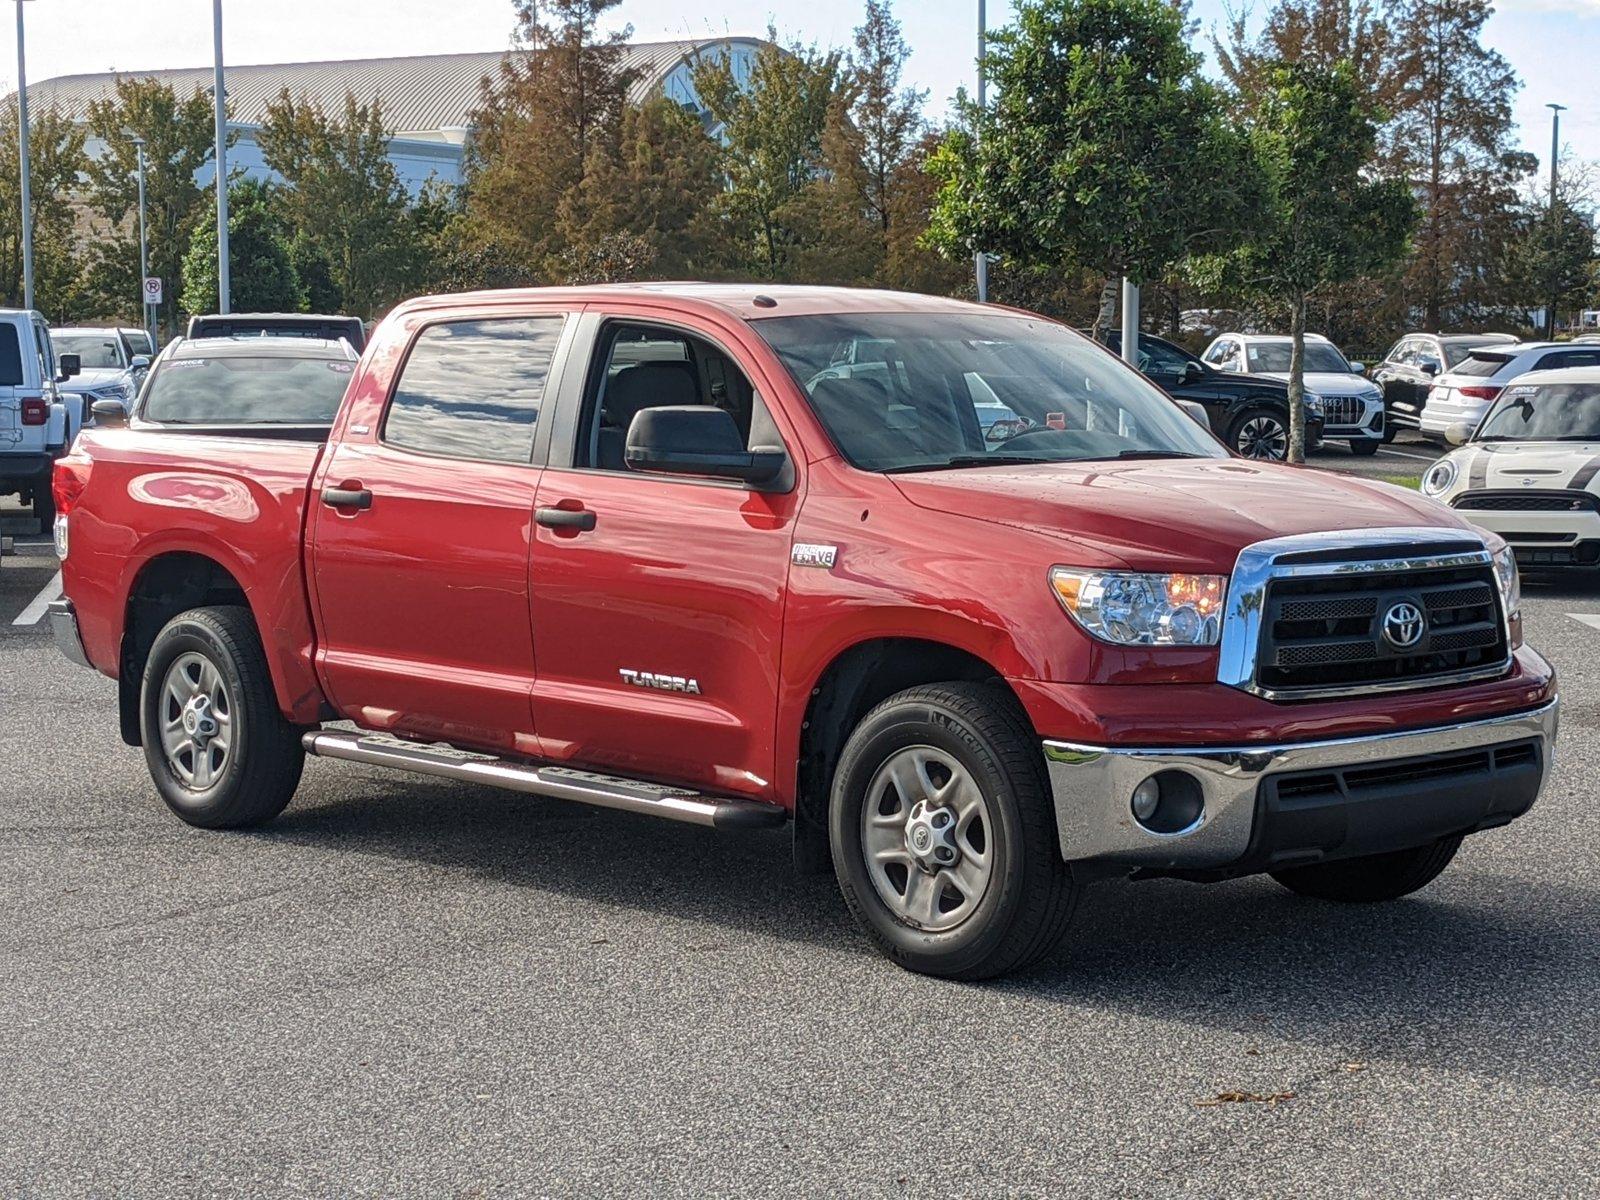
{"x": 921, "y": 391}
{"x": 235, "y": 390}
{"x": 1319, "y": 356}
{"x": 95, "y": 352}
{"x": 1551, "y": 412}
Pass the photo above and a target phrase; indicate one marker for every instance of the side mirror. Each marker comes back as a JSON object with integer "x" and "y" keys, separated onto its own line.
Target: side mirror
{"x": 1429, "y": 367}
{"x": 697, "y": 440}
{"x": 1193, "y": 371}
{"x": 109, "y": 414}
{"x": 1196, "y": 410}
{"x": 140, "y": 362}
{"x": 1458, "y": 434}
{"x": 1359, "y": 368}
{"x": 70, "y": 364}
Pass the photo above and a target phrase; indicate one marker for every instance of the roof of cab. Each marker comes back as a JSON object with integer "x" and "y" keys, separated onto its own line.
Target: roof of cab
{"x": 261, "y": 346}
{"x": 747, "y": 301}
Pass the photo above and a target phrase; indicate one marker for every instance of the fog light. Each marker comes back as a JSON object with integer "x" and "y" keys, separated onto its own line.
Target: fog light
{"x": 1169, "y": 802}
{"x": 1145, "y": 798}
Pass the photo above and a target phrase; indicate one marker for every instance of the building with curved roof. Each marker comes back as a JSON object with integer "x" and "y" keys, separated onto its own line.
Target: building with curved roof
{"x": 427, "y": 100}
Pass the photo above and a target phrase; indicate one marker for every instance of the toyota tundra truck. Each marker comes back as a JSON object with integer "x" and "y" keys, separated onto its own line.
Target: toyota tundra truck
{"x": 746, "y": 557}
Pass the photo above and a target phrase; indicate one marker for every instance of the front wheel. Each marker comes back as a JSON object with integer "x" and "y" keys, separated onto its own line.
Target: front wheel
{"x": 944, "y": 835}
{"x": 219, "y": 750}
{"x": 1373, "y": 877}
{"x": 1260, "y": 433}
{"x": 1366, "y": 448}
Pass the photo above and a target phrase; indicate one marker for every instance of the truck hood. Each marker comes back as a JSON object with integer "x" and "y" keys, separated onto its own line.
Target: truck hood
{"x": 1170, "y": 514}
{"x": 1331, "y": 383}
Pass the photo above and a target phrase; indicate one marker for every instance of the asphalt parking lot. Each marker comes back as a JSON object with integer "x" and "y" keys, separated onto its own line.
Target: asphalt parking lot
{"x": 406, "y": 987}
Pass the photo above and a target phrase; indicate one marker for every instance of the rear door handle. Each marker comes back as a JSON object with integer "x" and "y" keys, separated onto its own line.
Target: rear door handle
{"x": 347, "y": 497}
{"x": 566, "y": 518}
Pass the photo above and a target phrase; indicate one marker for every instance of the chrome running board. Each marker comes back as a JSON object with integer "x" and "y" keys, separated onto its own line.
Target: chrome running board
{"x": 559, "y": 783}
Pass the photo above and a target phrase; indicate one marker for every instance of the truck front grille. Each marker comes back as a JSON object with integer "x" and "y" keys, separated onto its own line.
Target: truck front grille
{"x": 1323, "y": 615}
{"x": 1321, "y": 632}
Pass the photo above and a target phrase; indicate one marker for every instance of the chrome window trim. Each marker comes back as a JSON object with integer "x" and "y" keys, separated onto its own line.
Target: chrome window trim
{"x": 1259, "y": 564}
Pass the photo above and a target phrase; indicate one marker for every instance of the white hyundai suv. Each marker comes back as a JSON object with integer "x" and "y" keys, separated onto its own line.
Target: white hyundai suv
{"x": 1351, "y": 405}
{"x": 1530, "y": 468}
{"x": 1463, "y": 394}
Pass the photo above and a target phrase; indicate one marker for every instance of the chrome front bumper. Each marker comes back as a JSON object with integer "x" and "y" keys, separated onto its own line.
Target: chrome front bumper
{"x": 1093, "y": 786}
{"x": 64, "y": 627}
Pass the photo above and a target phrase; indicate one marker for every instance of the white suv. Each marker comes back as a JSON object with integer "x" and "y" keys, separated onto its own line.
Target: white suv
{"x": 1463, "y": 394}
{"x": 35, "y": 427}
{"x": 109, "y": 367}
{"x": 1351, "y": 406}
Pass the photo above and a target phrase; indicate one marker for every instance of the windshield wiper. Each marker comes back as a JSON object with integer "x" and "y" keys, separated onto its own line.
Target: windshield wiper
{"x": 1128, "y": 454}
{"x": 972, "y": 460}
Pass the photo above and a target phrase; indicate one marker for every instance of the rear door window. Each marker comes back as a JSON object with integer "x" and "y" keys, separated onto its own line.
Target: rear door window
{"x": 473, "y": 389}
{"x": 10, "y": 357}
{"x": 1568, "y": 358}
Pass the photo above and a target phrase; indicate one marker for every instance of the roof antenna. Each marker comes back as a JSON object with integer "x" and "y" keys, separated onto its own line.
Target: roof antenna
{"x": 764, "y": 302}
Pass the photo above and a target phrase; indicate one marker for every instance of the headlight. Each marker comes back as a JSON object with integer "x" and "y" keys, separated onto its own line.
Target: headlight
{"x": 1313, "y": 402}
{"x": 1132, "y": 609}
{"x": 1438, "y": 479}
{"x": 1509, "y": 582}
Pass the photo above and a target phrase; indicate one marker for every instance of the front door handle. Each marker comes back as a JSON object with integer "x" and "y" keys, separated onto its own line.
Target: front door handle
{"x": 580, "y": 519}
{"x": 338, "y": 497}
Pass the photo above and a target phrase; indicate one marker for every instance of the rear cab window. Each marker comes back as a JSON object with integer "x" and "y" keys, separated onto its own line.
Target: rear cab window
{"x": 473, "y": 389}
{"x": 245, "y": 389}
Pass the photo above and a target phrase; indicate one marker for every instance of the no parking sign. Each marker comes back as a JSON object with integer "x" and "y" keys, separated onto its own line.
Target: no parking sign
{"x": 152, "y": 290}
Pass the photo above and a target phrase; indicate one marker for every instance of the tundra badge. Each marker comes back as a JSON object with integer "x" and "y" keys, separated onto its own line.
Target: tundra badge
{"x": 662, "y": 683}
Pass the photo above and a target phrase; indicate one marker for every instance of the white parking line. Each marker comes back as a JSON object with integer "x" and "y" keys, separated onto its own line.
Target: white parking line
{"x": 1592, "y": 620}
{"x": 36, "y": 606}
{"x": 1404, "y": 454}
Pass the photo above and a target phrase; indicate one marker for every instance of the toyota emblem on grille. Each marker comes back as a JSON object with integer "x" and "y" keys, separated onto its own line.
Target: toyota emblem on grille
{"x": 1404, "y": 625}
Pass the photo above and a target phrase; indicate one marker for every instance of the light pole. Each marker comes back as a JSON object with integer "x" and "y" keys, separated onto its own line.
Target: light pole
{"x": 220, "y": 98}
{"x": 22, "y": 158}
{"x": 1555, "y": 157}
{"x": 144, "y": 246}
{"x": 980, "y": 260}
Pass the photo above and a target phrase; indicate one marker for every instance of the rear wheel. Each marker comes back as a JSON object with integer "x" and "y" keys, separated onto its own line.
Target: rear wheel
{"x": 1374, "y": 877}
{"x": 1260, "y": 433}
{"x": 220, "y": 752}
{"x": 944, "y": 835}
{"x": 44, "y": 503}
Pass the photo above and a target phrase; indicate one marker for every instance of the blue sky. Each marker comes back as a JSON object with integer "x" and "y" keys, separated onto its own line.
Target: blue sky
{"x": 1554, "y": 44}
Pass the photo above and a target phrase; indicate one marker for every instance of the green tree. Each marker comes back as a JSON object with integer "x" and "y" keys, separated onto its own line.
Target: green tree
{"x": 887, "y": 115}
{"x": 554, "y": 111}
{"x": 1325, "y": 219}
{"x": 1453, "y": 135}
{"x": 772, "y": 128}
{"x": 261, "y": 277}
{"x": 1106, "y": 152}
{"x": 179, "y": 137}
{"x": 55, "y": 160}
{"x": 1550, "y": 256}
{"x": 342, "y": 198}
{"x": 655, "y": 185}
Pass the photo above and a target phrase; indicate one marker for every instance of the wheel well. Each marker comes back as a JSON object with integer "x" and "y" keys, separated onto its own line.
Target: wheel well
{"x": 854, "y": 683}
{"x": 166, "y": 586}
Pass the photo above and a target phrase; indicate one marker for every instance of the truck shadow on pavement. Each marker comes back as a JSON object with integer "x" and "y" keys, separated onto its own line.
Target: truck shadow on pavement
{"x": 1483, "y": 972}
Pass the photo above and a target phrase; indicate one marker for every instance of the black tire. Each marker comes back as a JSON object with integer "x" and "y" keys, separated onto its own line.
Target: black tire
{"x": 1390, "y": 429}
{"x": 44, "y": 503}
{"x": 1030, "y": 895}
{"x": 1366, "y": 447}
{"x": 1375, "y": 877}
{"x": 1242, "y": 432}
{"x": 256, "y": 777}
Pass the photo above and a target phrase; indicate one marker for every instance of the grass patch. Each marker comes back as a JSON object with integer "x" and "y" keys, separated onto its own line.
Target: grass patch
{"x": 1414, "y": 482}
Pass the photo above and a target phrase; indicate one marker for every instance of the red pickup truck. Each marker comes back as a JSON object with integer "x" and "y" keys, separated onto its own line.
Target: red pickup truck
{"x": 975, "y": 608}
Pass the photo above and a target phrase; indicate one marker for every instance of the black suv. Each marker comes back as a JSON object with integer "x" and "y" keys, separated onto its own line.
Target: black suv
{"x": 1249, "y": 414}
